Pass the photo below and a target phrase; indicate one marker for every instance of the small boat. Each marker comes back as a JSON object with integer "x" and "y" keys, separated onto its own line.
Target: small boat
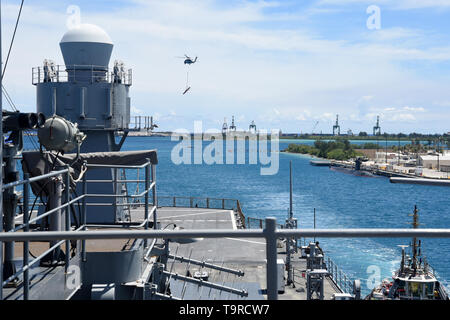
{"x": 414, "y": 280}
{"x": 320, "y": 163}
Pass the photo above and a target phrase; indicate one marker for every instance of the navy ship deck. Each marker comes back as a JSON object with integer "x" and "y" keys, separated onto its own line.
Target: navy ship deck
{"x": 246, "y": 254}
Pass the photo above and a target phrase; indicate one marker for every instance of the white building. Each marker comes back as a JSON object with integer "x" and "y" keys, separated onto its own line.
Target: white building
{"x": 435, "y": 161}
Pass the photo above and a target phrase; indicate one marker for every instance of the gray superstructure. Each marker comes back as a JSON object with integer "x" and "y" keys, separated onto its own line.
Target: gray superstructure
{"x": 87, "y": 92}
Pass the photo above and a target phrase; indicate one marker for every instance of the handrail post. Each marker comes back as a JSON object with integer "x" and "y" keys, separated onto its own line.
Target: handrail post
{"x": 155, "y": 198}
{"x": 83, "y": 217}
{"x": 55, "y": 219}
{"x": 116, "y": 192}
{"x": 207, "y": 203}
{"x": 223, "y": 203}
{"x": 67, "y": 196}
{"x": 147, "y": 187}
{"x": 26, "y": 244}
{"x": 271, "y": 255}
{"x": 345, "y": 282}
{"x": 330, "y": 267}
{"x": 336, "y": 274}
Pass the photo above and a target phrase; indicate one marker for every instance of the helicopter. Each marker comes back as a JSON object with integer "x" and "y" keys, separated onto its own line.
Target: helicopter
{"x": 188, "y": 60}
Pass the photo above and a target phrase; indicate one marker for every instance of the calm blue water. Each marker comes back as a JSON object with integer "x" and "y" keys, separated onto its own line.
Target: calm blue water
{"x": 341, "y": 201}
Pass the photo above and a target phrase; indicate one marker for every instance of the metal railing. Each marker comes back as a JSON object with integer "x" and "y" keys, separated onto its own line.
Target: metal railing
{"x": 258, "y": 223}
{"x": 83, "y": 73}
{"x": 339, "y": 277}
{"x": 24, "y": 227}
{"x": 205, "y": 203}
{"x": 141, "y": 123}
{"x": 198, "y": 202}
{"x": 270, "y": 234}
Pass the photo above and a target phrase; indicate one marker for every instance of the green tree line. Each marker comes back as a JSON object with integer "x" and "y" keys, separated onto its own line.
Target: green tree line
{"x": 338, "y": 150}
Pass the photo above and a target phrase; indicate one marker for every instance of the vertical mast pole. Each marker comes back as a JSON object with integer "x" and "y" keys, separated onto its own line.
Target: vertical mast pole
{"x": 1, "y": 159}
{"x": 290, "y": 190}
{"x": 415, "y": 226}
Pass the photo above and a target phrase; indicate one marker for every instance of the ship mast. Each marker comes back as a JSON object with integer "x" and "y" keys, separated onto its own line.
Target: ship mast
{"x": 415, "y": 246}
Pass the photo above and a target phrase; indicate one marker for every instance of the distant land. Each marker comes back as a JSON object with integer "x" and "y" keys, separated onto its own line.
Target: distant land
{"x": 444, "y": 138}
{"x": 431, "y": 138}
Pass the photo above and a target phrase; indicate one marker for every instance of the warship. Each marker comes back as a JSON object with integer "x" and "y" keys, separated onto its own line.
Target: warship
{"x": 82, "y": 219}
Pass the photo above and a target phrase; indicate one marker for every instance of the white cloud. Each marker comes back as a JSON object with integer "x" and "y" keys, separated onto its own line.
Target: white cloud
{"x": 242, "y": 69}
{"x": 401, "y": 117}
{"x": 394, "y": 4}
{"x": 419, "y": 109}
{"x": 398, "y": 115}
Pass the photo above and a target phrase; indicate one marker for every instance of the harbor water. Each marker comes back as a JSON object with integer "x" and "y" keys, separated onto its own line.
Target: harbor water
{"x": 341, "y": 201}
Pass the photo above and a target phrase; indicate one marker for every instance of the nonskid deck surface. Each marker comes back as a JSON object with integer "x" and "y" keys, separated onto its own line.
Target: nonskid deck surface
{"x": 246, "y": 254}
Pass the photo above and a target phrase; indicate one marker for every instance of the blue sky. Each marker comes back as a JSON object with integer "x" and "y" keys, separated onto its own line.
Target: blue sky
{"x": 284, "y": 64}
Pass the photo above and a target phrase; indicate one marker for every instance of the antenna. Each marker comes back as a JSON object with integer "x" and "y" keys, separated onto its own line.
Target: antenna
{"x": 314, "y": 223}
{"x": 290, "y": 190}
{"x": 415, "y": 246}
{"x": 402, "y": 263}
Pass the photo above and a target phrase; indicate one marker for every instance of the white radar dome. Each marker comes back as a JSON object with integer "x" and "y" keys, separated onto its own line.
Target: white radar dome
{"x": 86, "y": 33}
{"x": 86, "y": 46}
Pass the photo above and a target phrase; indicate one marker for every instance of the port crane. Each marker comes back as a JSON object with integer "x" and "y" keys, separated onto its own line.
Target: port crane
{"x": 314, "y": 128}
{"x": 232, "y": 126}
{"x": 377, "y": 128}
{"x": 224, "y": 126}
{"x": 252, "y": 127}
{"x": 337, "y": 127}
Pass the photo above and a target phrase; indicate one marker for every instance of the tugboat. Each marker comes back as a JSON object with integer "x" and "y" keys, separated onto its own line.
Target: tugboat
{"x": 415, "y": 280}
